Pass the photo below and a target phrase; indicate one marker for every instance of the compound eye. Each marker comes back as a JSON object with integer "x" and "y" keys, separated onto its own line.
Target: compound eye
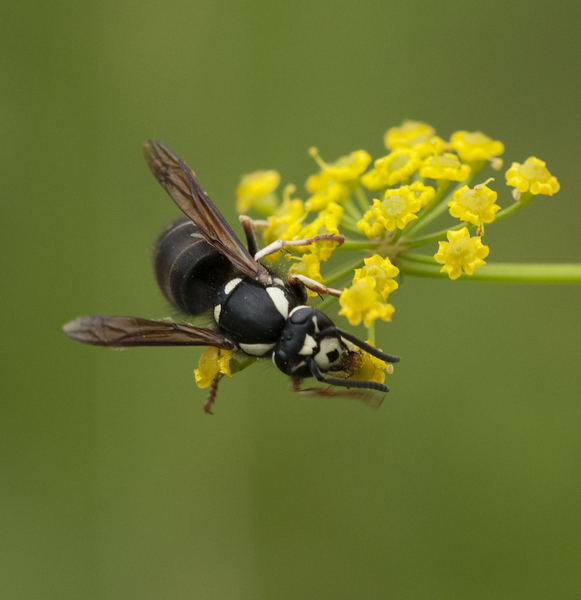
{"x": 300, "y": 315}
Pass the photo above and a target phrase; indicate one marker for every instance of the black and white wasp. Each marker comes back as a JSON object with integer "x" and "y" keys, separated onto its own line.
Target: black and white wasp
{"x": 203, "y": 268}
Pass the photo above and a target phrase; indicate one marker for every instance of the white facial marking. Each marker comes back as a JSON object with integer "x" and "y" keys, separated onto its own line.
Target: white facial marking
{"x": 256, "y": 349}
{"x": 217, "y": 311}
{"x": 316, "y": 324}
{"x": 278, "y": 281}
{"x": 328, "y": 345}
{"x": 279, "y": 300}
{"x": 308, "y": 346}
{"x": 229, "y": 287}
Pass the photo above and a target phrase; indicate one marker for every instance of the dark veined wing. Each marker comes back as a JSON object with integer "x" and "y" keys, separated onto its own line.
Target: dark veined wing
{"x": 124, "y": 332}
{"x": 181, "y": 184}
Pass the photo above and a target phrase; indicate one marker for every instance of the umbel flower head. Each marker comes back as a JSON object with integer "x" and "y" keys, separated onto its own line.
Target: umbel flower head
{"x": 384, "y": 230}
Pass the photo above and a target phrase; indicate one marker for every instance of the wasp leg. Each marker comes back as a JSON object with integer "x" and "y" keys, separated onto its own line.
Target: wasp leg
{"x": 372, "y": 400}
{"x": 281, "y": 244}
{"x": 249, "y": 225}
{"x": 313, "y": 285}
{"x": 212, "y": 395}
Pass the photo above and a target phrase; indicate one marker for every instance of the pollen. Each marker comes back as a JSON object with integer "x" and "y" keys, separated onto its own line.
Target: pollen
{"x": 461, "y": 253}
{"x": 475, "y": 206}
{"x": 532, "y": 176}
{"x": 256, "y": 190}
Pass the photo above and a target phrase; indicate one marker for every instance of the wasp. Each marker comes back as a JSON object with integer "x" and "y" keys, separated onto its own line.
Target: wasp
{"x": 202, "y": 268}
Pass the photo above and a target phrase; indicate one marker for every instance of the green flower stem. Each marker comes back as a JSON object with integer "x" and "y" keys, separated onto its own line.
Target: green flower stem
{"x": 509, "y": 210}
{"x": 425, "y": 266}
{"x": 428, "y": 210}
{"x": 362, "y": 199}
{"x": 437, "y": 236}
{"x": 348, "y": 225}
{"x": 326, "y": 303}
{"x": 354, "y": 245}
{"x": 352, "y": 210}
{"x": 441, "y": 235}
{"x": 371, "y": 333}
{"x": 435, "y": 208}
{"x": 343, "y": 270}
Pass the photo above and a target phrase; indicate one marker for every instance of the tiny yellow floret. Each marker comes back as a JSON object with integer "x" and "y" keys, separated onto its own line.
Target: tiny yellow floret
{"x": 461, "y": 253}
{"x": 420, "y": 137}
{"x": 212, "y": 361}
{"x": 382, "y": 272}
{"x": 371, "y": 369}
{"x": 475, "y": 146}
{"x": 424, "y": 193}
{"x": 331, "y": 191}
{"x": 397, "y": 166}
{"x": 474, "y": 205}
{"x": 361, "y": 301}
{"x": 444, "y": 166}
{"x": 308, "y": 266}
{"x": 532, "y": 176}
{"x": 344, "y": 169}
{"x": 255, "y": 190}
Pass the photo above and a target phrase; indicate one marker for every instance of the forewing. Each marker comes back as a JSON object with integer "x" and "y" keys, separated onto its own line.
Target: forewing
{"x": 181, "y": 184}
{"x": 124, "y": 332}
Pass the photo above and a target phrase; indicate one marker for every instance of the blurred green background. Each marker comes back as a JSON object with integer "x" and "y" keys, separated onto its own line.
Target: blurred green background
{"x": 114, "y": 484}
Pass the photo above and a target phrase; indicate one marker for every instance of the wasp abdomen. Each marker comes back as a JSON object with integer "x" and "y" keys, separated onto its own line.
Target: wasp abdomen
{"x": 188, "y": 270}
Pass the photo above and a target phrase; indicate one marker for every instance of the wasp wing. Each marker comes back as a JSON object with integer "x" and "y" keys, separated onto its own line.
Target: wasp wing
{"x": 124, "y": 332}
{"x": 181, "y": 184}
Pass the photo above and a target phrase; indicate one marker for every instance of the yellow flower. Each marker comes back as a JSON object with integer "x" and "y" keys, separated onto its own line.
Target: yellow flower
{"x": 286, "y": 222}
{"x": 381, "y": 271}
{"x": 461, "y": 253}
{"x": 345, "y": 169}
{"x": 397, "y": 209}
{"x": 532, "y": 176}
{"x": 212, "y": 362}
{"x": 327, "y": 221}
{"x": 444, "y": 166}
{"x": 330, "y": 192}
{"x": 309, "y": 266}
{"x": 412, "y": 134}
{"x": 256, "y": 191}
{"x": 424, "y": 193}
{"x": 397, "y": 166}
{"x": 474, "y": 205}
{"x": 475, "y": 146}
{"x": 371, "y": 369}
{"x": 361, "y": 301}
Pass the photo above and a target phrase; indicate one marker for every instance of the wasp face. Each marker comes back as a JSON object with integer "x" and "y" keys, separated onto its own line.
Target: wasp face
{"x": 308, "y": 335}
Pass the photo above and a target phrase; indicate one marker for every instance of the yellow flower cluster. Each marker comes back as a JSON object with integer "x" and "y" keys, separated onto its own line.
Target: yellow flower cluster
{"x": 212, "y": 362}
{"x": 397, "y": 209}
{"x": 256, "y": 190}
{"x": 366, "y": 299}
